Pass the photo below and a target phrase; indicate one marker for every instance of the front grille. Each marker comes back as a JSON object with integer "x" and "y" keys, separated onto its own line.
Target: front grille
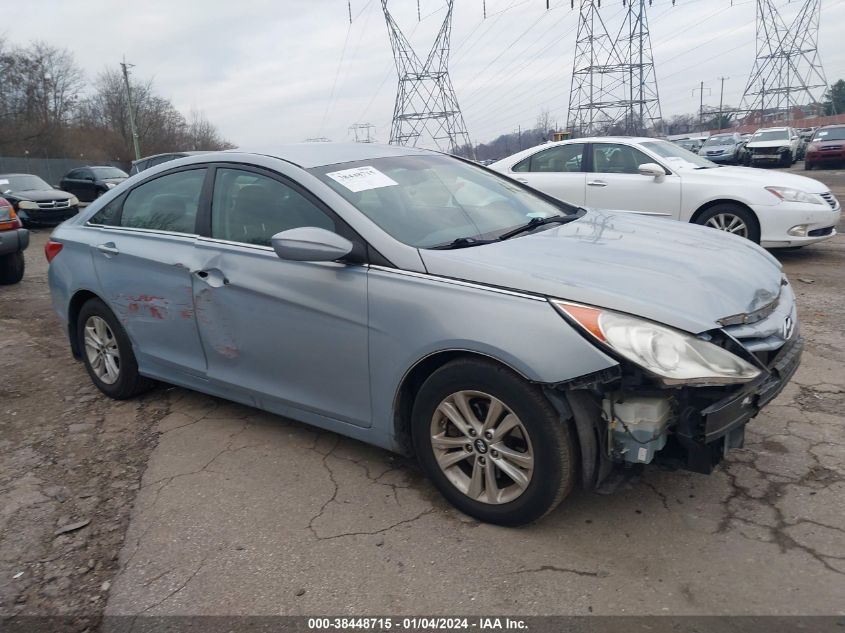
{"x": 766, "y": 150}
{"x": 767, "y": 334}
{"x": 830, "y": 199}
{"x": 54, "y": 204}
{"x": 828, "y": 148}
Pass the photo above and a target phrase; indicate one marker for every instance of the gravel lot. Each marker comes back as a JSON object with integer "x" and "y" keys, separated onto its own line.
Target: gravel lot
{"x": 179, "y": 503}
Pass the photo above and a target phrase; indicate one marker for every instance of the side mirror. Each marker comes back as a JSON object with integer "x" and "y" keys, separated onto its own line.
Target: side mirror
{"x": 310, "y": 244}
{"x": 651, "y": 169}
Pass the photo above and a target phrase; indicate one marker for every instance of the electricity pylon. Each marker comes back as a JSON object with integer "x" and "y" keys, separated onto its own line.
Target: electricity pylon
{"x": 787, "y": 72}
{"x": 614, "y": 85}
{"x": 426, "y": 106}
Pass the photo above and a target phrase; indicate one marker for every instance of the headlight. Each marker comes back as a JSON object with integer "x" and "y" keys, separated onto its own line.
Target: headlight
{"x": 674, "y": 356}
{"x": 72, "y": 201}
{"x": 27, "y": 204}
{"x": 111, "y": 185}
{"x": 795, "y": 195}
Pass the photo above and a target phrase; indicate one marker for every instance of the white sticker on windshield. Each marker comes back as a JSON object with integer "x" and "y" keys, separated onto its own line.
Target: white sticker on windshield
{"x": 819, "y": 134}
{"x": 362, "y": 178}
{"x": 3, "y": 181}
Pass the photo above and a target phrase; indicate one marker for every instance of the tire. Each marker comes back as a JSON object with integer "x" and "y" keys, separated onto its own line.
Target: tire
{"x": 540, "y": 446}
{"x": 126, "y": 382}
{"x": 11, "y": 268}
{"x": 787, "y": 160}
{"x": 808, "y": 166}
{"x": 724, "y": 214}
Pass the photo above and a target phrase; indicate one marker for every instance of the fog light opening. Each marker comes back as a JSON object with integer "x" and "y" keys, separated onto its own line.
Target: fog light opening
{"x": 798, "y": 231}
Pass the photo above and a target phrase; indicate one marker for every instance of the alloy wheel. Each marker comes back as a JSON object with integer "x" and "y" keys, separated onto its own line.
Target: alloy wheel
{"x": 728, "y": 222}
{"x": 482, "y": 447}
{"x": 101, "y": 350}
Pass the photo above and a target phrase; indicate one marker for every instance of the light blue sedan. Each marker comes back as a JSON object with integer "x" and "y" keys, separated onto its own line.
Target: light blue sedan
{"x": 515, "y": 344}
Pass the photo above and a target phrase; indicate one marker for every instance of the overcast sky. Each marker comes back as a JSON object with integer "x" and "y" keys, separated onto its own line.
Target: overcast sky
{"x": 273, "y": 71}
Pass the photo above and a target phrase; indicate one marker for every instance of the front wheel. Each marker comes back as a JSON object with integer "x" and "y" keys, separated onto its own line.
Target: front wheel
{"x": 11, "y": 268}
{"x": 787, "y": 160}
{"x": 492, "y": 443}
{"x": 731, "y": 218}
{"x": 107, "y": 352}
{"x": 808, "y": 166}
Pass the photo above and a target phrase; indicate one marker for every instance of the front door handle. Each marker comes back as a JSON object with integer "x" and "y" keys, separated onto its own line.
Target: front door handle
{"x": 597, "y": 183}
{"x": 108, "y": 249}
{"x": 522, "y": 180}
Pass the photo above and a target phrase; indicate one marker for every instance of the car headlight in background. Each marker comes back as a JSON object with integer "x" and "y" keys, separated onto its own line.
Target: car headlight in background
{"x": 789, "y": 194}
{"x": 27, "y": 204}
{"x": 674, "y": 356}
{"x": 73, "y": 201}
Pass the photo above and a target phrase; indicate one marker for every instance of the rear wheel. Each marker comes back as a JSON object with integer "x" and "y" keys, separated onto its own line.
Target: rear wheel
{"x": 107, "y": 352}
{"x": 808, "y": 166}
{"x": 731, "y": 218}
{"x": 11, "y": 268}
{"x": 492, "y": 443}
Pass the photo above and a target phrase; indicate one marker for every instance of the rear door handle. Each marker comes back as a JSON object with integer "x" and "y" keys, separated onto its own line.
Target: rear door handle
{"x": 214, "y": 277}
{"x": 597, "y": 183}
{"x": 108, "y": 248}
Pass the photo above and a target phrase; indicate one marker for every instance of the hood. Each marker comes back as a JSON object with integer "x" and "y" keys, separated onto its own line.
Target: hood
{"x": 776, "y": 143}
{"x": 727, "y": 147}
{"x": 40, "y": 195}
{"x": 762, "y": 177}
{"x": 682, "y": 275}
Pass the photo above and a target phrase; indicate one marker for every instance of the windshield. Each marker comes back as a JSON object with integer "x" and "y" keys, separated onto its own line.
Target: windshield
{"x": 830, "y": 134}
{"x": 426, "y": 201}
{"x": 677, "y": 156}
{"x": 109, "y": 172}
{"x": 770, "y": 135}
{"x": 725, "y": 139}
{"x": 25, "y": 182}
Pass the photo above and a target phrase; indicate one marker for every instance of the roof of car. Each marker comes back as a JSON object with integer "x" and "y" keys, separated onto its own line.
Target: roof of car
{"x": 4, "y": 175}
{"x": 773, "y": 128}
{"x": 308, "y": 155}
{"x": 173, "y": 153}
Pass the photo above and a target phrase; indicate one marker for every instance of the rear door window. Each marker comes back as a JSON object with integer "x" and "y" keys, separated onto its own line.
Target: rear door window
{"x": 167, "y": 203}
{"x": 562, "y": 158}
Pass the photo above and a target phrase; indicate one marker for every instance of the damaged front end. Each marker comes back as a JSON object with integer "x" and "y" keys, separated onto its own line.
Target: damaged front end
{"x": 658, "y": 405}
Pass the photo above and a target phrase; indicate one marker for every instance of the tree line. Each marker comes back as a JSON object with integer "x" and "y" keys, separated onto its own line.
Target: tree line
{"x": 49, "y": 110}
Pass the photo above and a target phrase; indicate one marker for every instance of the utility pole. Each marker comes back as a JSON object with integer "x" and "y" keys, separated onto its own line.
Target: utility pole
{"x": 787, "y": 71}
{"x": 721, "y": 99}
{"x": 701, "y": 90}
{"x": 361, "y": 131}
{"x": 426, "y": 108}
{"x": 134, "y": 131}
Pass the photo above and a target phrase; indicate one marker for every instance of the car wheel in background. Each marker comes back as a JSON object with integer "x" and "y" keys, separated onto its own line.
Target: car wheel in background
{"x": 492, "y": 443}
{"x": 786, "y": 159}
{"x": 731, "y": 218}
{"x": 808, "y": 166}
{"x": 107, "y": 352}
{"x": 11, "y": 268}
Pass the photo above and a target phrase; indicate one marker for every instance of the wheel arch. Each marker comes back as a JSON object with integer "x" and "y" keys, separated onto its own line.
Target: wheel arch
{"x": 413, "y": 379}
{"x": 712, "y": 203}
{"x": 79, "y": 299}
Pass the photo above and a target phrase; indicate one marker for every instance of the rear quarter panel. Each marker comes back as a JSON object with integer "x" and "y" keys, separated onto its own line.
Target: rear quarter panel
{"x": 72, "y": 269}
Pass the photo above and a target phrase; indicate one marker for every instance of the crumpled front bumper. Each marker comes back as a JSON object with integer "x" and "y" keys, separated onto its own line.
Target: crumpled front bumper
{"x": 707, "y": 434}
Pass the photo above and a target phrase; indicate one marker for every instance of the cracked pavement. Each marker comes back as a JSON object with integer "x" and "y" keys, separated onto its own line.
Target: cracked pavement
{"x": 242, "y": 512}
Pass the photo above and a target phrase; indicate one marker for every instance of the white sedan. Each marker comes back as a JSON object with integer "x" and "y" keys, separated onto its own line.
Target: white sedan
{"x": 658, "y": 178}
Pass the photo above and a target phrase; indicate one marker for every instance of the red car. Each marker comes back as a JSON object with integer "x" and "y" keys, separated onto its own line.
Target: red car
{"x": 13, "y": 241}
{"x": 827, "y": 146}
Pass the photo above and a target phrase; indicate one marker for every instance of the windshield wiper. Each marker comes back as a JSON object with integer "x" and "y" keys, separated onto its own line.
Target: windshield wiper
{"x": 533, "y": 223}
{"x": 461, "y": 242}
